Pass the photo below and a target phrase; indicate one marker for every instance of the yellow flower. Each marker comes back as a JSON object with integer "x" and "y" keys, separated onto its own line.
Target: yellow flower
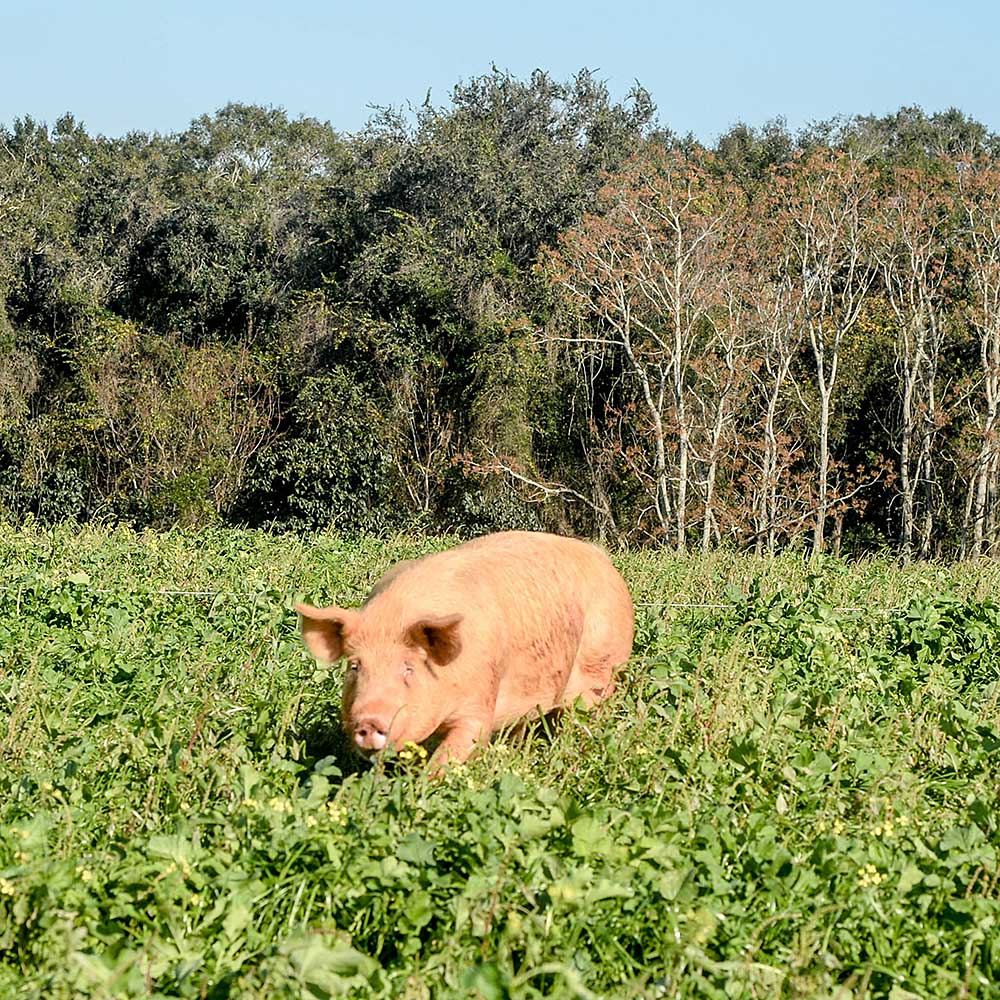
{"x": 6, "y": 887}
{"x": 888, "y": 825}
{"x": 195, "y": 899}
{"x": 336, "y": 813}
{"x": 249, "y": 803}
{"x": 870, "y": 875}
{"x": 412, "y": 751}
{"x": 85, "y": 873}
{"x": 838, "y": 826}
{"x": 310, "y": 820}
{"x": 280, "y": 805}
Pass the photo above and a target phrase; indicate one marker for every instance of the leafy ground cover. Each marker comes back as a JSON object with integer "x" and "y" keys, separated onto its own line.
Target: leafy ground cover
{"x": 793, "y": 793}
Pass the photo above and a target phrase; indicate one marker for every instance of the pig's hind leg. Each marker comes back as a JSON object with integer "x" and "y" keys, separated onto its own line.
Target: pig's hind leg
{"x": 603, "y": 648}
{"x": 591, "y": 680}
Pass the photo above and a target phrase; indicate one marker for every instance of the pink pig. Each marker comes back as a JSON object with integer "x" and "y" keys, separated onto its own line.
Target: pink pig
{"x": 461, "y": 643}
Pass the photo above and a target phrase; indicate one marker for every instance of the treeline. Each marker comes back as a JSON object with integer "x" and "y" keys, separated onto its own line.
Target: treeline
{"x": 533, "y": 307}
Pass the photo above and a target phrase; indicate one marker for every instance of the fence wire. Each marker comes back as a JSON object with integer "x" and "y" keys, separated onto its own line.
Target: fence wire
{"x": 661, "y": 605}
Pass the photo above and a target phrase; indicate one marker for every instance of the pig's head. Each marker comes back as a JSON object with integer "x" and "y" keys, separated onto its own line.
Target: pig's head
{"x": 392, "y": 686}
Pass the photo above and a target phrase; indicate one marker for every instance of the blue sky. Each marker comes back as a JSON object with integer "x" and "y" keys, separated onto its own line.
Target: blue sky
{"x": 119, "y": 66}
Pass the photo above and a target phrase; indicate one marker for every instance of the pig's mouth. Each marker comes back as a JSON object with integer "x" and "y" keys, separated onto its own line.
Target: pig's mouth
{"x": 368, "y": 753}
{"x": 375, "y": 730}
{"x": 398, "y": 743}
{"x": 372, "y": 751}
{"x": 378, "y": 743}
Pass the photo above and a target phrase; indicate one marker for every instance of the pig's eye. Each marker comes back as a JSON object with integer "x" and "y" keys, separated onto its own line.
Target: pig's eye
{"x": 353, "y": 666}
{"x": 407, "y": 671}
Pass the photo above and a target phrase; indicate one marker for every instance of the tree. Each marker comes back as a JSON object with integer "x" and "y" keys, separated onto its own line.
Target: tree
{"x": 911, "y": 246}
{"x": 825, "y": 202}
{"x": 646, "y": 272}
{"x": 748, "y": 155}
{"x": 772, "y": 445}
{"x": 258, "y": 206}
{"x": 519, "y": 159}
{"x": 979, "y": 198}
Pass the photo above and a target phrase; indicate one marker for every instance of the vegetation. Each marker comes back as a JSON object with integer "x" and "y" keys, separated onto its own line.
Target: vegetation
{"x": 534, "y": 306}
{"x": 793, "y": 792}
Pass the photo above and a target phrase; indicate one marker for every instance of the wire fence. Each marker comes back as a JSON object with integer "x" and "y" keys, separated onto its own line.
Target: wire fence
{"x": 347, "y": 598}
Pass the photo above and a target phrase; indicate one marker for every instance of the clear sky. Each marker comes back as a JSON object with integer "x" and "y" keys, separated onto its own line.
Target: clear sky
{"x": 154, "y": 66}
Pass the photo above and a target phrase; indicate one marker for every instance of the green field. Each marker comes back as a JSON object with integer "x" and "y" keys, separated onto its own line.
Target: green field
{"x": 793, "y": 792}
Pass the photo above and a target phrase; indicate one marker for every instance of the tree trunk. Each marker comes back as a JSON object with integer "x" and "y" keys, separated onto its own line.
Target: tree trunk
{"x": 985, "y": 471}
{"x": 823, "y": 472}
{"x": 905, "y": 478}
{"x": 838, "y": 533}
{"x": 683, "y": 431}
{"x": 709, "y": 522}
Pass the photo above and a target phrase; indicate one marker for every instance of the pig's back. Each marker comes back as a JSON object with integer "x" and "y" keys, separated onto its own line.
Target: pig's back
{"x": 519, "y": 587}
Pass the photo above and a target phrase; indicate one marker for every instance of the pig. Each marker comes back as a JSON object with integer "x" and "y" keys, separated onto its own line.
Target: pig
{"x": 461, "y": 643}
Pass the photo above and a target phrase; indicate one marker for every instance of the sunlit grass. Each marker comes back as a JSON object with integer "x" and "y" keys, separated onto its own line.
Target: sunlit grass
{"x": 793, "y": 793}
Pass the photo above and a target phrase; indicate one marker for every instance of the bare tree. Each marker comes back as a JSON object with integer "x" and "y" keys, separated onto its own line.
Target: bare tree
{"x": 774, "y": 306}
{"x": 980, "y": 201}
{"x": 724, "y": 378}
{"x": 825, "y": 201}
{"x": 646, "y": 272}
{"x": 910, "y": 246}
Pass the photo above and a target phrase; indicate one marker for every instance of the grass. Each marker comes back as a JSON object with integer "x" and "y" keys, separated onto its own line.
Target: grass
{"x": 792, "y": 794}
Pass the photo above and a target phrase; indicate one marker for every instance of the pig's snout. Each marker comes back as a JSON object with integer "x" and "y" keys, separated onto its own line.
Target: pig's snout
{"x": 371, "y": 733}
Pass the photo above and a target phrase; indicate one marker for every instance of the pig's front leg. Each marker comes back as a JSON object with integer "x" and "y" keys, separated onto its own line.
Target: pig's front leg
{"x": 460, "y": 739}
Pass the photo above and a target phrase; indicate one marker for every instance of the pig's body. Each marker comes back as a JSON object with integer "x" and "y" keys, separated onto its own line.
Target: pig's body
{"x": 506, "y": 625}
{"x": 546, "y": 619}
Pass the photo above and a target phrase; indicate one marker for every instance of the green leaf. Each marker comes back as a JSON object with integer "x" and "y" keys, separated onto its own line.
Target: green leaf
{"x": 416, "y": 850}
{"x": 327, "y": 962}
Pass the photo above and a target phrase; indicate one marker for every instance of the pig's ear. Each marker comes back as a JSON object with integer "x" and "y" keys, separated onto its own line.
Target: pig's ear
{"x": 438, "y": 637}
{"x": 324, "y": 629}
